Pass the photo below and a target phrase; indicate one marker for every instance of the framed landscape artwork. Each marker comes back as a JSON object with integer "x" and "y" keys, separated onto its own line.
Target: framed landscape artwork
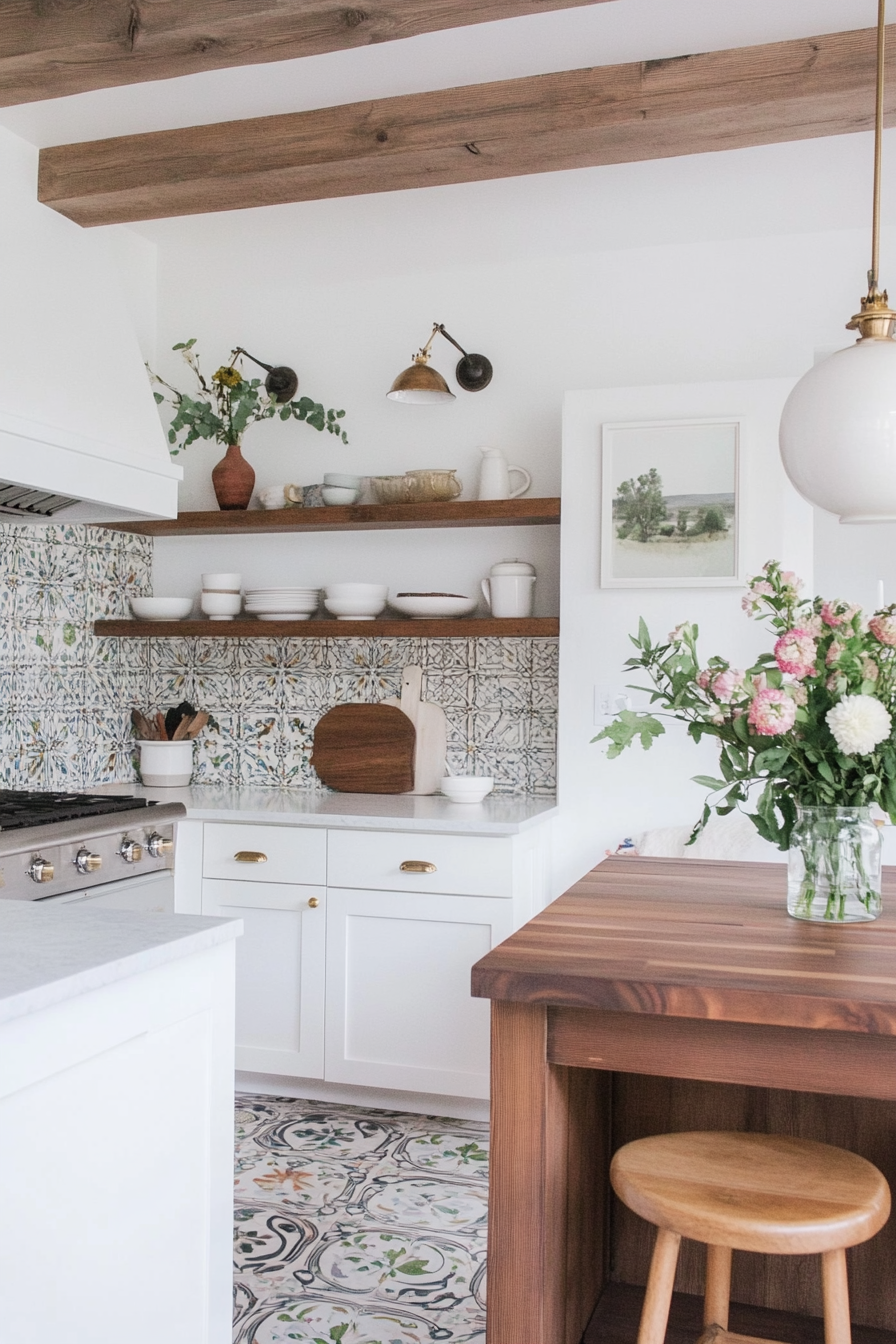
{"x": 669, "y": 513}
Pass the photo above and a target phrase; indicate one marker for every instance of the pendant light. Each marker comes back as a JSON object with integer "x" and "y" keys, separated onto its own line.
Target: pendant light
{"x": 838, "y": 427}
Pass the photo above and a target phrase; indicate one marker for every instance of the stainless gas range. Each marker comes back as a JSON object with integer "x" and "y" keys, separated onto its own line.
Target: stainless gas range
{"x": 107, "y": 849}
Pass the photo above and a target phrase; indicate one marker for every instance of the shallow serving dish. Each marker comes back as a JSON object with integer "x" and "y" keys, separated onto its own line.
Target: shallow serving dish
{"x": 161, "y": 608}
{"x": 467, "y": 788}
{"x": 423, "y": 606}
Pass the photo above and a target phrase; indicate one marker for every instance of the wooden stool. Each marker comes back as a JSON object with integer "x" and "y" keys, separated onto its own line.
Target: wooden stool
{"x": 748, "y": 1192}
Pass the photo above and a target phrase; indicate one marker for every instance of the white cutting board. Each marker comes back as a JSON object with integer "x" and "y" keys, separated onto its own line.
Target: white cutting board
{"x": 432, "y": 732}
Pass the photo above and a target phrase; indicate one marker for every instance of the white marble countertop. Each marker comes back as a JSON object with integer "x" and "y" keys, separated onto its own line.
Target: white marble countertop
{"x": 497, "y": 815}
{"x": 49, "y": 953}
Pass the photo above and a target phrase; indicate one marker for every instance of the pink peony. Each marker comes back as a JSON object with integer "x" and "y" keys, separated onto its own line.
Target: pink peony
{"x": 830, "y": 614}
{"x": 772, "y": 712}
{"x": 727, "y": 683}
{"x": 795, "y": 653}
{"x": 790, "y": 580}
{"x": 883, "y": 628}
{"x": 704, "y": 678}
{"x": 814, "y": 626}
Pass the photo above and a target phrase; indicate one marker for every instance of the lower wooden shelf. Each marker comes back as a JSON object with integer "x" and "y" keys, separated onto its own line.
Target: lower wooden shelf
{"x": 242, "y": 628}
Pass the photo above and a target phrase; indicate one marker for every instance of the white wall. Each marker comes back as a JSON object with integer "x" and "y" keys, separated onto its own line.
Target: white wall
{"x": 601, "y": 801}
{"x": 734, "y": 266}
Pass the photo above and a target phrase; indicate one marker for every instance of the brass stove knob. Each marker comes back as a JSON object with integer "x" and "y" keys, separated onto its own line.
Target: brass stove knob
{"x": 85, "y": 862}
{"x": 130, "y": 851}
{"x": 158, "y": 845}
{"x": 40, "y": 870}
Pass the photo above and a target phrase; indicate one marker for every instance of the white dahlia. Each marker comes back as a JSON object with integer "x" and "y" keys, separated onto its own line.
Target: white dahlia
{"x": 858, "y": 723}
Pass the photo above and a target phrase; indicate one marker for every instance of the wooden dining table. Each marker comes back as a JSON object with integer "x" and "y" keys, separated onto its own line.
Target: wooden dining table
{"x": 664, "y": 995}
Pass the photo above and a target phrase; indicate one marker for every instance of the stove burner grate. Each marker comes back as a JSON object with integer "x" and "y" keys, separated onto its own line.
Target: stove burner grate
{"x": 21, "y": 807}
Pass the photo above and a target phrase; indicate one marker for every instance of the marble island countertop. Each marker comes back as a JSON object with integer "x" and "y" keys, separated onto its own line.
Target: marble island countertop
{"x": 49, "y": 953}
{"x": 498, "y": 814}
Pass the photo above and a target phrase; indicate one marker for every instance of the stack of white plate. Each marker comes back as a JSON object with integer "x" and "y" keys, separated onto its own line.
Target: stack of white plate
{"x": 282, "y": 604}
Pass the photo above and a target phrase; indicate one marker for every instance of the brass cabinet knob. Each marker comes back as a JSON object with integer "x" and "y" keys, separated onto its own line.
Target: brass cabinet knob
{"x": 313, "y": 902}
{"x": 85, "y": 862}
{"x": 130, "y": 851}
{"x": 250, "y": 856}
{"x": 417, "y": 866}
{"x": 40, "y": 870}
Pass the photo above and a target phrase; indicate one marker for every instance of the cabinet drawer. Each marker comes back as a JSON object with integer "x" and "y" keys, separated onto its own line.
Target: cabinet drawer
{"x": 463, "y": 865}
{"x": 293, "y": 854}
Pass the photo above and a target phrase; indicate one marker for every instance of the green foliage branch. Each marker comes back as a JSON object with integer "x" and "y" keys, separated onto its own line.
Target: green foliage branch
{"x": 227, "y": 404}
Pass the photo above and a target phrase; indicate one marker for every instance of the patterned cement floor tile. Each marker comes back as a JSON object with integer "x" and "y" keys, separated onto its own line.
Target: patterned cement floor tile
{"x": 358, "y": 1227}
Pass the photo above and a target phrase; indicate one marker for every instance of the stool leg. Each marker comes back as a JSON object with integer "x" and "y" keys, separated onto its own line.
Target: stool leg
{"x": 835, "y": 1290}
{"x": 718, "y": 1286}
{"x": 655, "y": 1315}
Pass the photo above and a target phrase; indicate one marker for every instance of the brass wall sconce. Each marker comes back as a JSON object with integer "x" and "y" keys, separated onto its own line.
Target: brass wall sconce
{"x": 419, "y": 383}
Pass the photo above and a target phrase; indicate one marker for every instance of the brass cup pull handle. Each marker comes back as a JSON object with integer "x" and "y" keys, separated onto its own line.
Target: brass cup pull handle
{"x": 313, "y": 902}
{"x": 250, "y": 856}
{"x": 417, "y": 866}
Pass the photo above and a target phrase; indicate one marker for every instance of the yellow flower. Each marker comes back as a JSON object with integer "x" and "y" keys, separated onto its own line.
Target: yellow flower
{"x": 227, "y": 375}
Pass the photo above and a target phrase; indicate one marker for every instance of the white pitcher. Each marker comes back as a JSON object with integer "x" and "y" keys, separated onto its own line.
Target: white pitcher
{"x": 494, "y": 476}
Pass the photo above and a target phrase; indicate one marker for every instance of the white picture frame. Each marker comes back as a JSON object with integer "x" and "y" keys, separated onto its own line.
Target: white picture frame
{"x": 662, "y": 482}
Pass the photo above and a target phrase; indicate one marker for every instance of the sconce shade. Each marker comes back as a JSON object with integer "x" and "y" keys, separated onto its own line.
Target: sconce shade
{"x": 421, "y": 384}
{"x": 838, "y": 433}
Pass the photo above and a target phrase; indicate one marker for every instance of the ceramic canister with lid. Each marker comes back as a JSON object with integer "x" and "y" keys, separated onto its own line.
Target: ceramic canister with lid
{"x": 509, "y": 589}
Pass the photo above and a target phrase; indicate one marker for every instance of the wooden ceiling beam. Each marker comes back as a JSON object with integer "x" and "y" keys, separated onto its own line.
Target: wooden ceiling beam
{"x": 580, "y": 118}
{"x": 51, "y": 49}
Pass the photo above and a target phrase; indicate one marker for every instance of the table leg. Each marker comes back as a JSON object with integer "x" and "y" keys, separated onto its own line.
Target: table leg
{"x": 548, "y": 1189}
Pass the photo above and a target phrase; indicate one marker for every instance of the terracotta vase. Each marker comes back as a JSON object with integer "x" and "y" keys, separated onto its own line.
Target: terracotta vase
{"x": 233, "y": 480}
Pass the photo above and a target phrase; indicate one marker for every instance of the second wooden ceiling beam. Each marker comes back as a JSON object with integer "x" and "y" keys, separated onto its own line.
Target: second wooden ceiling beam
{"x": 575, "y": 119}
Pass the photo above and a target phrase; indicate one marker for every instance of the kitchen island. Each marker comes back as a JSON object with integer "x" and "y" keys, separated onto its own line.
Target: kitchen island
{"x": 116, "y": 1125}
{"x": 660, "y": 995}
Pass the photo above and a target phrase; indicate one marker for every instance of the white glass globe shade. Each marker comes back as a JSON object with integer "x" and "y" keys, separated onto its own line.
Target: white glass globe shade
{"x": 838, "y": 433}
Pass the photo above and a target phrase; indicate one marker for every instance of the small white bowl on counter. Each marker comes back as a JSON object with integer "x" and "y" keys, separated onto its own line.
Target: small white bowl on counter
{"x": 161, "y": 608}
{"x": 467, "y": 788}
{"x": 433, "y": 606}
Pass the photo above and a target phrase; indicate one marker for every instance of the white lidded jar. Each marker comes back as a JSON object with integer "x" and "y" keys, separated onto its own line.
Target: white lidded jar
{"x": 509, "y": 589}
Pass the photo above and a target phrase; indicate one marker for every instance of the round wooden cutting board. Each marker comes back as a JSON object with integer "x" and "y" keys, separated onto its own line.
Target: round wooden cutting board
{"x": 365, "y": 749}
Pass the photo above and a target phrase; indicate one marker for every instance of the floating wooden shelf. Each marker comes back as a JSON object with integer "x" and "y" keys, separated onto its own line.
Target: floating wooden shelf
{"x": 248, "y": 628}
{"x": 353, "y": 518}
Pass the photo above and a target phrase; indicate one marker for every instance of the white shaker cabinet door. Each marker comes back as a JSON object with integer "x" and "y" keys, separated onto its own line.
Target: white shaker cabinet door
{"x": 399, "y": 1009}
{"x": 280, "y": 966}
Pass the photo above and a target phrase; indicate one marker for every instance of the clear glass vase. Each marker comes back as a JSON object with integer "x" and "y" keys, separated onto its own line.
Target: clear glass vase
{"x": 833, "y": 865}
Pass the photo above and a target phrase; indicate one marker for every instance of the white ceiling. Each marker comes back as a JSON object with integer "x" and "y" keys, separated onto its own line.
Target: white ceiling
{"x": 600, "y": 34}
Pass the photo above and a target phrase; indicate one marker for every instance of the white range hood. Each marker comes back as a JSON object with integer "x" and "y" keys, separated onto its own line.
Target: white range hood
{"x": 77, "y": 417}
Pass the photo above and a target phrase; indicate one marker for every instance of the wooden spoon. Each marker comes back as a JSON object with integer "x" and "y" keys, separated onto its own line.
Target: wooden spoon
{"x": 145, "y": 730}
{"x": 160, "y": 725}
{"x": 197, "y": 723}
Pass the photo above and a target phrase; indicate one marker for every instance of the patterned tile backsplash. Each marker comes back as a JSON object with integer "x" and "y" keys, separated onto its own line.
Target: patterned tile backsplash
{"x": 67, "y": 695}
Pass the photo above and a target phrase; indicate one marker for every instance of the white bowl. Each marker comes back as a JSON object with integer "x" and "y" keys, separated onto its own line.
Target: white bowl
{"x": 366, "y": 591}
{"x": 161, "y": 608}
{"x": 221, "y": 583}
{"x": 220, "y": 606}
{"x": 432, "y": 605}
{"x": 466, "y": 788}
{"x": 339, "y": 494}
{"x": 354, "y": 608}
{"x": 342, "y": 478}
